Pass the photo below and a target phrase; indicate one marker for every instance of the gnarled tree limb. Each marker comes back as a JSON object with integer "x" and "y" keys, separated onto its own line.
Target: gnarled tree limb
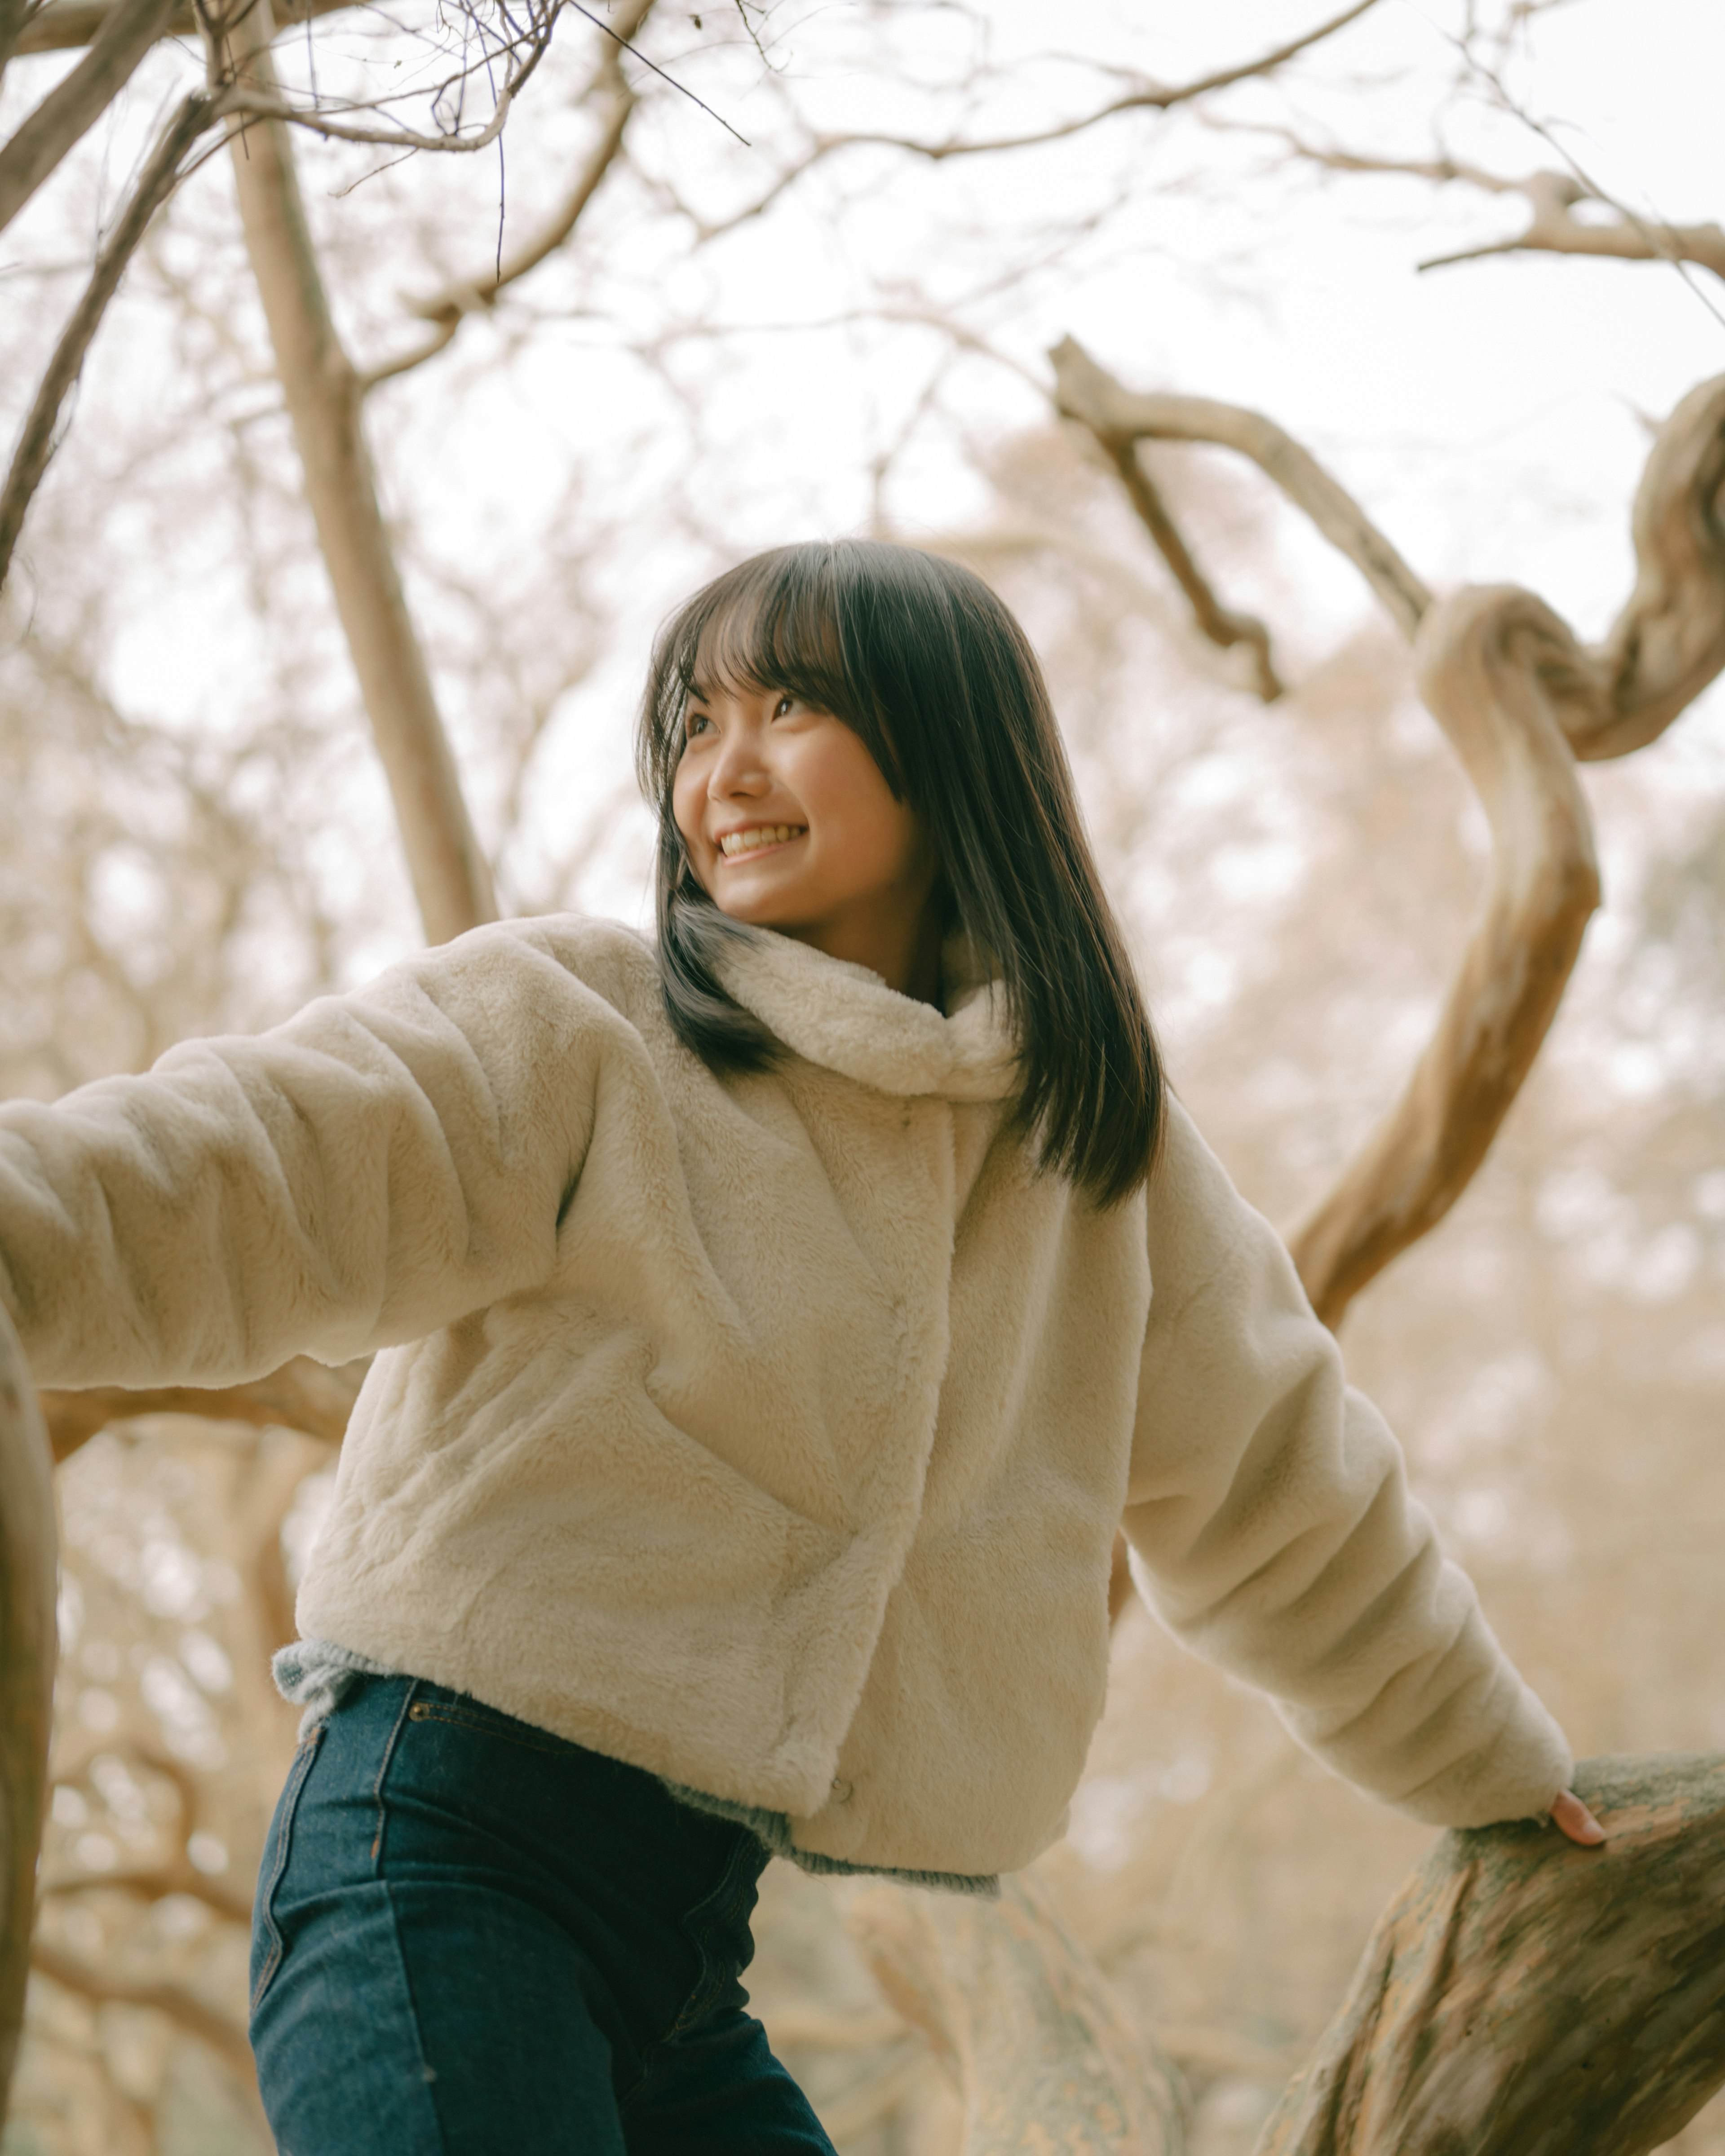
{"x": 1669, "y": 642}
{"x": 1119, "y": 417}
{"x": 1486, "y": 661}
{"x": 1520, "y": 699}
{"x": 28, "y": 1652}
{"x": 1523, "y": 1997}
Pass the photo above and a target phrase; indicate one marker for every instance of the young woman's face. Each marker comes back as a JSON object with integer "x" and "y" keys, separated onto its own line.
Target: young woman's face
{"x": 789, "y": 824}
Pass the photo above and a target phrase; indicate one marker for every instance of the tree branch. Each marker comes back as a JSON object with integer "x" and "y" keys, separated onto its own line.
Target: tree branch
{"x": 182, "y": 2006}
{"x": 1520, "y": 699}
{"x": 302, "y": 1395}
{"x": 449, "y": 875}
{"x": 1551, "y": 198}
{"x": 446, "y": 311}
{"x": 1522, "y": 1994}
{"x": 1117, "y": 416}
{"x": 1220, "y": 625}
{"x": 73, "y": 106}
{"x": 36, "y": 443}
{"x": 63, "y": 25}
{"x": 1147, "y": 96}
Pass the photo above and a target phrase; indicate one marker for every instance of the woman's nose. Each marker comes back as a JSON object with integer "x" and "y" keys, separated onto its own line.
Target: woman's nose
{"x": 737, "y": 769}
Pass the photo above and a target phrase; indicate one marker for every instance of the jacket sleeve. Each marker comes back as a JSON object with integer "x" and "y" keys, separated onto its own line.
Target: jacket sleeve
{"x": 378, "y": 1167}
{"x": 1273, "y": 1532}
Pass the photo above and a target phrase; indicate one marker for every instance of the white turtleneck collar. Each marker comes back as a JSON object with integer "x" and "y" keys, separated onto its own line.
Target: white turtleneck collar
{"x": 845, "y": 1017}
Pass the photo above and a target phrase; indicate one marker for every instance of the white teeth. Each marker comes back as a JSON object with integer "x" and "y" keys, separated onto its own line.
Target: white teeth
{"x": 762, "y": 835}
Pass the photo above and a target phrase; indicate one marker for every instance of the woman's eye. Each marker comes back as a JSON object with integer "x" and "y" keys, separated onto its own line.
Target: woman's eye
{"x": 783, "y": 704}
{"x": 694, "y": 722}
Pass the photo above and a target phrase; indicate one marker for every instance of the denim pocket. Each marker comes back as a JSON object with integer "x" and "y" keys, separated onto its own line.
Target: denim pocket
{"x": 266, "y": 1934}
{"x": 458, "y": 1711}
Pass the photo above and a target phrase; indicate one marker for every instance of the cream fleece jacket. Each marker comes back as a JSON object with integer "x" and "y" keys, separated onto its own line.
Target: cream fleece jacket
{"x": 769, "y": 1433}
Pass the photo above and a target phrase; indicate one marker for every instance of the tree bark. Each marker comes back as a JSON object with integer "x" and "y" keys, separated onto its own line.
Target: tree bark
{"x": 73, "y": 106}
{"x": 1486, "y": 661}
{"x": 27, "y": 1654}
{"x": 1022, "y": 2020}
{"x": 450, "y": 878}
{"x": 1523, "y": 1997}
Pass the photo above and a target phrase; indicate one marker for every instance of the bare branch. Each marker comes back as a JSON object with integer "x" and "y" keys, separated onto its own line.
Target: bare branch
{"x": 1551, "y": 196}
{"x": 1495, "y": 664}
{"x": 1220, "y": 625}
{"x": 1117, "y": 415}
{"x": 156, "y": 1883}
{"x": 1521, "y": 699}
{"x": 182, "y": 2006}
{"x": 74, "y": 105}
{"x": 14, "y": 20}
{"x": 447, "y": 310}
{"x": 301, "y": 1395}
{"x": 1144, "y": 97}
{"x": 451, "y": 880}
{"x": 63, "y": 25}
{"x": 36, "y": 443}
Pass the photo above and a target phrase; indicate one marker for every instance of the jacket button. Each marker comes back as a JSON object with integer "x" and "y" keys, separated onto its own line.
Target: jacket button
{"x": 841, "y": 1791}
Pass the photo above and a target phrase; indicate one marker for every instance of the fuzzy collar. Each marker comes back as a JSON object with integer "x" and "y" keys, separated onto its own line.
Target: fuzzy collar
{"x": 846, "y": 1018}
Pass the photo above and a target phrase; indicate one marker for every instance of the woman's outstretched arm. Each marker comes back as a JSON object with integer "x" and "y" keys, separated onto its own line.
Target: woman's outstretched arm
{"x": 1273, "y": 1533}
{"x": 383, "y": 1164}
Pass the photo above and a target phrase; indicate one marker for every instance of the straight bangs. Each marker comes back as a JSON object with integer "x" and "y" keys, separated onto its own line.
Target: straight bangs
{"x": 924, "y": 662}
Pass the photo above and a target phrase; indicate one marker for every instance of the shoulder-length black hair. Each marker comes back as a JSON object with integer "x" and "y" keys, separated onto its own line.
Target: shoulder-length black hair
{"x": 929, "y": 668}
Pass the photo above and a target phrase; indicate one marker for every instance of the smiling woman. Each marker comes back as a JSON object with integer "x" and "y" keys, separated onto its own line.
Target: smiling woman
{"x": 790, "y": 824}
{"x": 882, "y": 706}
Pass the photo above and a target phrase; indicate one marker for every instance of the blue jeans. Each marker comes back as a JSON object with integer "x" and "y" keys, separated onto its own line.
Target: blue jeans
{"x": 472, "y": 1938}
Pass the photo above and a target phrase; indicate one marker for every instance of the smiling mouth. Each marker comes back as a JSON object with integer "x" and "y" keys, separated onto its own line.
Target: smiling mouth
{"x": 739, "y": 845}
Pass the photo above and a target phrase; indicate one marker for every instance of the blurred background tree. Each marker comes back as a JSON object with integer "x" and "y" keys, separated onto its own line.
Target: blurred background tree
{"x": 777, "y": 270}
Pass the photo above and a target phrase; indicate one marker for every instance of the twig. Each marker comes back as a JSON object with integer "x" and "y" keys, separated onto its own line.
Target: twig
{"x": 683, "y": 90}
{"x": 1223, "y": 626}
{"x": 446, "y": 311}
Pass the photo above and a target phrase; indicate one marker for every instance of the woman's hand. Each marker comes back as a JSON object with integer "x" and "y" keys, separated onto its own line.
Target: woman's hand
{"x": 1570, "y": 1816}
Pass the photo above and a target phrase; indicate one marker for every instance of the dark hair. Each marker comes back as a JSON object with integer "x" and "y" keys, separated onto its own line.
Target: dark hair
{"x": 929, "y": 668}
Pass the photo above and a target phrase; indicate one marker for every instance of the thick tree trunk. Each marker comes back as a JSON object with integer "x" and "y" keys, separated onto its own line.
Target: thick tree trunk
{"x": 27, "y": 1646}
{"x": 450, "y": 878}
{"x": 1523, "y": 1997}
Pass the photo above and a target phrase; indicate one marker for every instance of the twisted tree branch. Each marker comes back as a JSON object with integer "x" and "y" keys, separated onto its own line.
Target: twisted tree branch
{"x": 1520, "y": 699}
